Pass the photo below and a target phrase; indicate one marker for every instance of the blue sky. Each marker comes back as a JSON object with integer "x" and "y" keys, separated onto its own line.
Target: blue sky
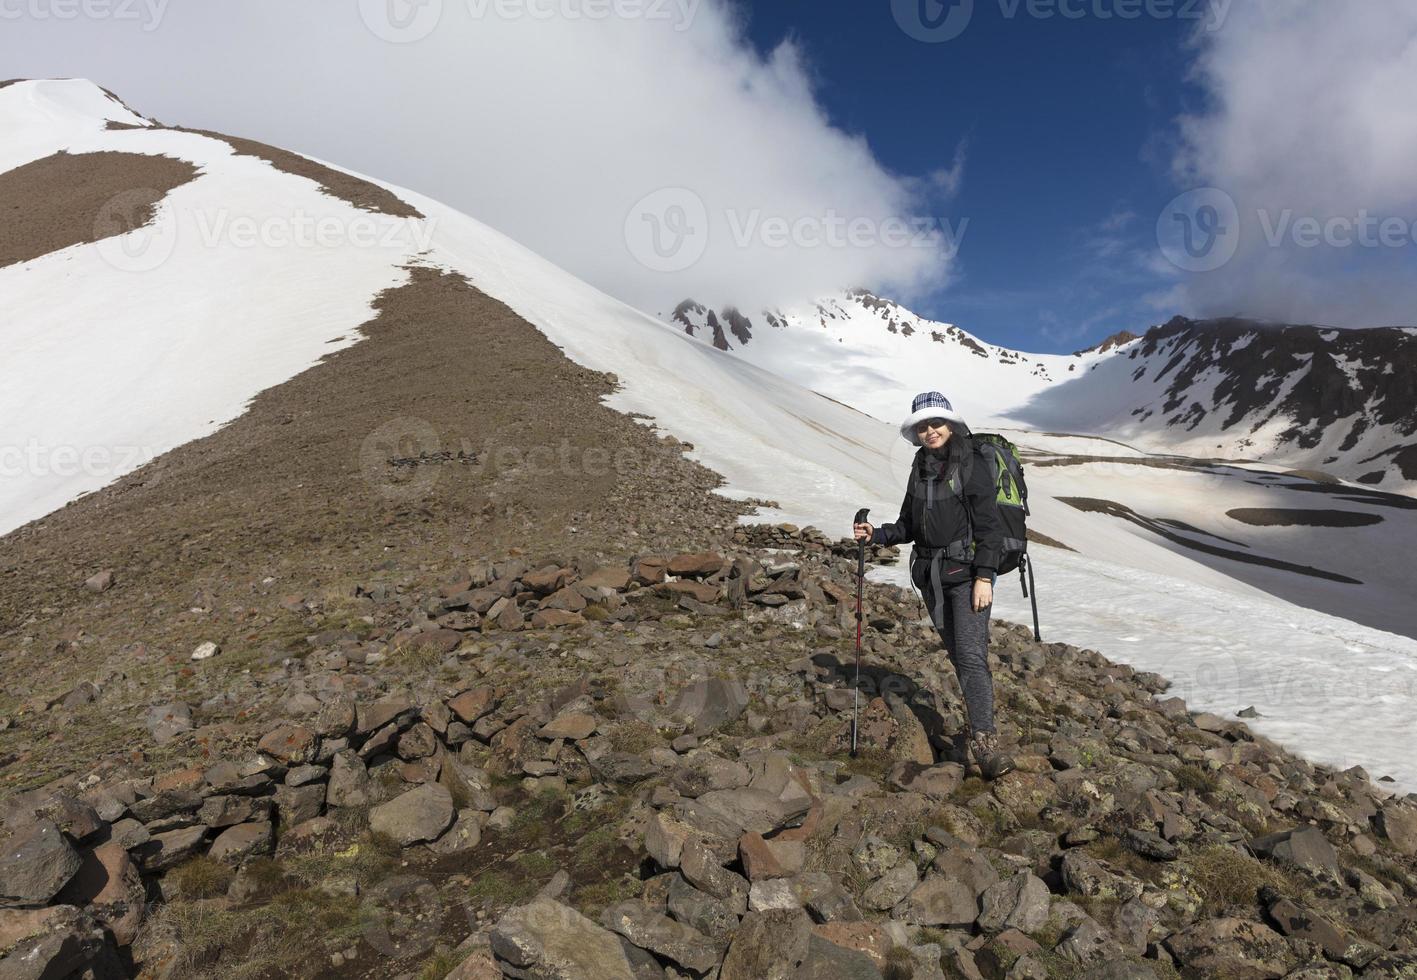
{"x": 1066, "y": 126}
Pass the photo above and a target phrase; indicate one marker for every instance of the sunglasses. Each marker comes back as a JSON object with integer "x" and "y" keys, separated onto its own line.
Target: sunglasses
{"x": 931, "y": 424}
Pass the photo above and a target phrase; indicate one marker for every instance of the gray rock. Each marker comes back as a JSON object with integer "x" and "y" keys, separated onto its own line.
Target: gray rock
{"x": 421, "y": 814}
{"x": 166, "y": 721}
{"x": 828, "y": 961}
{"x": 748, "y": 810}
{"x": 237, "y": 843}
{"x": 38, "y": 862}
{"x": 464, "y": 835}
{"x": 966, "y": 865}
{"x": 1150, "y": 845}
{"x": 55, "y": 942}
{"x": 1020, "y": 902}
{"x": 623, "y": 767}
{"x": 938, "y": 901}
{"x": 1398, "y": 823}
{"x": 1084, "y": 874}
{"x": 228, "y": 811}
{"x": 1305, "y": 847}
{"x": 1087, "y": 942}
{"x": 661, "y": 935}
{"x": 715, "y": 918}
{"x": 892, "y": 887}
{"x": 349, "y": 783}
{"x": 297, "y": 804}
{"x": 165, "y": 850}
{"x": 1230, "y": 947}
{"x": 768, "y": 946}
{"x": 774, "y": 893}
{"x": 710, "y": 704}
{"x": 703, "y": 868}
{"x": 875, "y": 856}
{"x": 546, "y": 940}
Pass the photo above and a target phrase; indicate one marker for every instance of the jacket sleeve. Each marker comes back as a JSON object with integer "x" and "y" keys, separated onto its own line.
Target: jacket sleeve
{"x": 981, "y": 495}
{"x": 903, "y": 529}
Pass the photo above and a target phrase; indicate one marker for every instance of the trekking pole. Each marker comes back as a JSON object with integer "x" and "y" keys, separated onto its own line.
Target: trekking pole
{"x": 1030, "y": 592}
{"x": 860, "y": 586}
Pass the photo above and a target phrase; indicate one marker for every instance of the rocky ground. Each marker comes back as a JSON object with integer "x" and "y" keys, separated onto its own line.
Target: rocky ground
{"x": 551, "y": 768}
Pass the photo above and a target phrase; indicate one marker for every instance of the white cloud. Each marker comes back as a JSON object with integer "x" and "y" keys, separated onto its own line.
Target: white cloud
{"x": 549, "y": 128}
{"x": 1311, "y": 116}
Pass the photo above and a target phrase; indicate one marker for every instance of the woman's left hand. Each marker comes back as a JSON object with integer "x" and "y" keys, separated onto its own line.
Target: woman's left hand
{"x": 983, "y": 594}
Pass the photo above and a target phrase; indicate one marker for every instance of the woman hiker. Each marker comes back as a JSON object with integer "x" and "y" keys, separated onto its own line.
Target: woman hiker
{"x": 950, "y": 516}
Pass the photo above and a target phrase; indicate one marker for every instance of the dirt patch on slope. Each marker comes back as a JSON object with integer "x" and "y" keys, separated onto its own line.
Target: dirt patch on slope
{"x": 1287, "y": 517}
{"x": 350, "y": 189}
{"x": 71, "y": 198}
{"x": 456, "y": 429}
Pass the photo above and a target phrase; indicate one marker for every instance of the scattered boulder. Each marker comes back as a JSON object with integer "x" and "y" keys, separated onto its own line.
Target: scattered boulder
{"x": 166, "y": 721}
{"x": 421, "y": 814}
{"x": 550, "y": 941}
{"x": 39, "y": 861}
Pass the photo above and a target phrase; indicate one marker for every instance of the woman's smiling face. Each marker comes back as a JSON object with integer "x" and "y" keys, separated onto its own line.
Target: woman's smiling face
{"x": 933, "y": 433}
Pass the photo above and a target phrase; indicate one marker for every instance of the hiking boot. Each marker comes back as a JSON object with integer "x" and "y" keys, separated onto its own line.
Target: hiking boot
{"x": 984, "y": 749}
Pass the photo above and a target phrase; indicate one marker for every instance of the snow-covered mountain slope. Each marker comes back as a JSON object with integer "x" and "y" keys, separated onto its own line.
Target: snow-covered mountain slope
{"x": 1296, "y": 396}
{"x": 1300, "y": 396}
{"x": 875, "y": 355}
{"x": 153, "y": 337}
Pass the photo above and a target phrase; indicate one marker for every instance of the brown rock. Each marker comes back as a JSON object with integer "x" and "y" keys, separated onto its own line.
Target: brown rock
{"x": 759, "y": 862}
{"x": 550, "y": 618}
{"x": 548, "y": 579}
{"x": 573, "y": 726}
{"x": 649, "y": 571}
{"x": 436, "y": 641}
{"x": 100, "y": 582}
{"x": 696, "y": 565}
{"x": 418, "y": 742}
{"x": 564, "y": 598}
{"x": 291, "y": 744}
{"x": 108, "y": 883}
{"x": 867, "y": 937}
{"x": 472, "y": 705}
{"x": 370, "y": 717}
{"x": 615, "y": 577}
{"x": 237, "y": 843}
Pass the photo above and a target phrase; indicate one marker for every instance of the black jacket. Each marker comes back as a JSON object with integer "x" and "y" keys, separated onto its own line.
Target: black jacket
{"x": 932, "y": 517}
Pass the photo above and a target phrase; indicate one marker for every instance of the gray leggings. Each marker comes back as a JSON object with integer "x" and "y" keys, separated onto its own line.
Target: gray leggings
{"x": 965, "y": 634}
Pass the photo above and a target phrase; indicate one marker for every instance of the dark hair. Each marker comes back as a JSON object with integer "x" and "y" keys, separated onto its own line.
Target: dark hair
{"x": 957, "y": 446}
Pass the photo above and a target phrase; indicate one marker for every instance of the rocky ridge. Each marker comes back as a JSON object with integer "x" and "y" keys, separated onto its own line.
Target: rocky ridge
{"x": 547, "y": 769}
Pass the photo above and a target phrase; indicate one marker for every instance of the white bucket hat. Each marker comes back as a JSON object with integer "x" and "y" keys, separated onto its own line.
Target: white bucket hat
{"x": 929, "y": 405}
